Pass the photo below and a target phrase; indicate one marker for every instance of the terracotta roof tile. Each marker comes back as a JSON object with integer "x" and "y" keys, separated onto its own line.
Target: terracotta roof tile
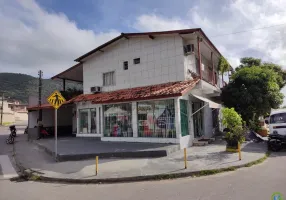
{"x": 164, "y": 90}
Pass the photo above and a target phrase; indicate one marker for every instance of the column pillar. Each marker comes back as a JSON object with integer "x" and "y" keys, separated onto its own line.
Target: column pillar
{"x": 89, "y": 121}
{"x": 77, "y": 120}
{"x": 177, "y": 117}
{"x": 213, "y": 71}
{"x": 97, "y": 121}
{"x": 64, "y": 84}
{"x": 134, "y": 119}
{"x": 199, "y": 57}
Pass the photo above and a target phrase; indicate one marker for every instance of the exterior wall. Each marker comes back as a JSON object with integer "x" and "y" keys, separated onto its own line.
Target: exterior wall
{"x": 64, "y": 117}
{"x": 190, "y": 62}
{"x": 161, "y": 61}
{"x": 8, "y": 118}
{"x": 208, "y": 121}
{"x": 187, "y": 140}
{"x": 21, "y": 116}
{"x": 32, "y": 119}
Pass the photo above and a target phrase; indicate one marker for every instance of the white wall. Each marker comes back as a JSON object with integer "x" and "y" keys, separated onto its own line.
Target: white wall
{"x": 32, "y": 119}
{"x": 161, "y": 61}
{"x": 21, "y": 116}
{"x": 64, "y": 117}
{"x": 208, "y": 121}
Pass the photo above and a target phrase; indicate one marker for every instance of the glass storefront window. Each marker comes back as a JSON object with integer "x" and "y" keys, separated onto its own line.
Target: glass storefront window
{"x": 156, "y": 119}
{"x": 93, "y": 120}
{"x": 83, "y": 121}
{"x": 118, "y": 120}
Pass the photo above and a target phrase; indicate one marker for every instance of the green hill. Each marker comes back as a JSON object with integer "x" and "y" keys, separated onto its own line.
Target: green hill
{"x": 21, "y": 86}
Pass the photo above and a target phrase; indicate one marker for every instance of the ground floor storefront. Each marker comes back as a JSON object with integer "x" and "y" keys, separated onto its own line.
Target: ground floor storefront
{"x": 174, "y": 120}
{"x": 175, "y": 113}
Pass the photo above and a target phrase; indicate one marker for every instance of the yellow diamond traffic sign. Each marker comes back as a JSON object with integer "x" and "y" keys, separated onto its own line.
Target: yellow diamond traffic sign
{"x": 56, "y": 99}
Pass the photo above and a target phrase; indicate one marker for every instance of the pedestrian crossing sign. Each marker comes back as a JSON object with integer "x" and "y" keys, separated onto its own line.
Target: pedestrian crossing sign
{"x": 56, "y": 99}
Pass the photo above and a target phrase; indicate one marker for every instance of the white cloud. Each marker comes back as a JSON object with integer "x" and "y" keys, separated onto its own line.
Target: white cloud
{"x": 153, "y": 22}
{"x": 239, "y": 15}
{"x": 32, "y": 39}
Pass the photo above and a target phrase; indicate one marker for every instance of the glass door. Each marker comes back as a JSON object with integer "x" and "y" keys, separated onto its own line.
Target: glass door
{"x": 93, "y": 121}
{"x": 83, "y": 121}
{"x": 198, "y": 119}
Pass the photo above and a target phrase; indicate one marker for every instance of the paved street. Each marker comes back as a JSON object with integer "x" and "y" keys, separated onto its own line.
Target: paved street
{"x": 6, "y": 168}
{"x": 257, "y": 182}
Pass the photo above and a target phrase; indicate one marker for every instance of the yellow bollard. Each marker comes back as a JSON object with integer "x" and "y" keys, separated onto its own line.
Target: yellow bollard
{"x": 96, "y": 165}
{"x": 185, "y": 157}
{"x": 239, "y": 152}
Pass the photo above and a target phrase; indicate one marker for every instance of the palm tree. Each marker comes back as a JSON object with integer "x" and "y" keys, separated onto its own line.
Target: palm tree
{"x": 223, "y": 66}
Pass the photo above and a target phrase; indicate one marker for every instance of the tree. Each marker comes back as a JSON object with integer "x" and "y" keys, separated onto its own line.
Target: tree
{"x": 71, "y": 93}
{"x": 249, "y": 62}
{"x": 252, "y": 92}
{"x": 281, "y": 74}
{"x": 223, "y": 66}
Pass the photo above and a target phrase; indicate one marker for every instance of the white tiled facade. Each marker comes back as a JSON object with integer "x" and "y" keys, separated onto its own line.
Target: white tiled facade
{"x": 161, "y": 61}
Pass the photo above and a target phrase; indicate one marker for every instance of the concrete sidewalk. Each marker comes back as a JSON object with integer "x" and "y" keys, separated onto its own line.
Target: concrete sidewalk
{"x": 74, "y": 148}
{"x": 213, "y": 156}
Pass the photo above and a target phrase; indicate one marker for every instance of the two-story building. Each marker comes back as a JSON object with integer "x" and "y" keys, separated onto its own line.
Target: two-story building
{"x": 148, "y": 87}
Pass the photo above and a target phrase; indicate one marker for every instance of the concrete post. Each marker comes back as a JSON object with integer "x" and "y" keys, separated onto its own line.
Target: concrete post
{"x": 177, "y": 117}
{"x": 134, "y": 119}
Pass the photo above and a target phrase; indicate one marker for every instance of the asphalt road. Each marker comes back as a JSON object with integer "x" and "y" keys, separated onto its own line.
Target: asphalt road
{"x": 6, "y": 149}
{"x": 257, "y": 182}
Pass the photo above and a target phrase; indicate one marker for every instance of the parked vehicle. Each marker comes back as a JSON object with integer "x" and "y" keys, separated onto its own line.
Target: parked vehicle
{"x": 276, "y": 142}
{"x": 10, "y": 139}
{"x": 277, "y": 128}
{"x": 13, "y": 134}
{"x": 13, "y": 130}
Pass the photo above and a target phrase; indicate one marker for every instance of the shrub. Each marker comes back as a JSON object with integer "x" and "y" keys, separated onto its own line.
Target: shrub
{"x": 234, "y": 125}
{"x": 231, "y": 118}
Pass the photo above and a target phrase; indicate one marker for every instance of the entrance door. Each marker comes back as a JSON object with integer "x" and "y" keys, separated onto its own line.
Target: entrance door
{"x": 198, "y": 119}
{"x": 184, "y": 117}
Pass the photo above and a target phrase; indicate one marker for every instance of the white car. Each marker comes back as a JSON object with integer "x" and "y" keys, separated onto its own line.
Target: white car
{"x": 277, "y": 122}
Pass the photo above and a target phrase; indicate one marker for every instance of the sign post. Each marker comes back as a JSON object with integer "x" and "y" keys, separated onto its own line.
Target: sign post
{"x": 56, "y": 100}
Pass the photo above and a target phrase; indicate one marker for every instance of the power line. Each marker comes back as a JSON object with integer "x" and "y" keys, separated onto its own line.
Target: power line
{"x": 244, "y": 31}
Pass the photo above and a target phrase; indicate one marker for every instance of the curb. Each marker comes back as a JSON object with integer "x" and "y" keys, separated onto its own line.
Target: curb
{"x": 39, "y": 178}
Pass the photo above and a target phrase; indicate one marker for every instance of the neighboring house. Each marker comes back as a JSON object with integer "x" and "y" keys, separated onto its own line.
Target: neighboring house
{"x": 13, "y": 111}
{"x": 148, "y": 87}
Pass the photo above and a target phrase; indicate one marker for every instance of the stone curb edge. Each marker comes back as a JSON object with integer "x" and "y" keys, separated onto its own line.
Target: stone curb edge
{"x": 39, "y": 178}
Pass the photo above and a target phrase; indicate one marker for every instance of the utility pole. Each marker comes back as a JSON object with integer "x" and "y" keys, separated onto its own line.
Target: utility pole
{"x": 40, "y": 73}
{"x": 2, "y": 108}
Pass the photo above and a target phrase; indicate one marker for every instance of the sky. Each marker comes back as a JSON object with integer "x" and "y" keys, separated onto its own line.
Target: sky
{"x": 50, "y": 34}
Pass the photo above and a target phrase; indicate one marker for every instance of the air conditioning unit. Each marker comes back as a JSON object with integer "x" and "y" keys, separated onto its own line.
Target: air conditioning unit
{"x": 95, "y": 89}
{"x": 189, "y": 48}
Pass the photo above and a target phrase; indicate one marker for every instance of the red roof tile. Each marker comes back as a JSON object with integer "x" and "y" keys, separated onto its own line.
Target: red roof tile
{"x": 164, "y": 90}
{"x": 46, "y": 106}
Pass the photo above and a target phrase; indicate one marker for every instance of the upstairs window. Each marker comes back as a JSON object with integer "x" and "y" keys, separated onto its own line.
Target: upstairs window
{"x": 136, "y": 61}
{"x": 108, "y": 79}
{"x": 125, "y": 65}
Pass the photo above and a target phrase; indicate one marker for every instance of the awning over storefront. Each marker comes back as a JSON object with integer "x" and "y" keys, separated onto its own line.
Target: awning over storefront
{"x": 210, "y": 103}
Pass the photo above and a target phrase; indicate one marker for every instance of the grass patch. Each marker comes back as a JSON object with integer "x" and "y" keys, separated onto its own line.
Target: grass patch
{"x": 7, "y": 123}
{"x": 258, "y": 161}
{"x": 34, "y": 177}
